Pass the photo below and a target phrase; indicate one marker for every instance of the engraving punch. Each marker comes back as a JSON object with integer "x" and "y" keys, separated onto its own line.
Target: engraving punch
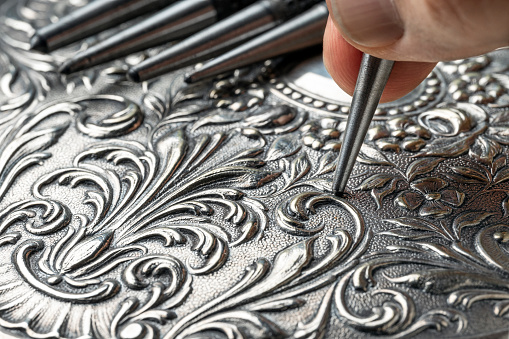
{"x": 91, "y": 19}
{"x": 303, "y": 31}
{"x": 174, "y": 22}
{"x": 240, "y": 27}
{"x": 373, "y": 76}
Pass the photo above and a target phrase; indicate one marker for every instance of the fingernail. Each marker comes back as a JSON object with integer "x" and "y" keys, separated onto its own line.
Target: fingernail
{"x": 370, "y": 23}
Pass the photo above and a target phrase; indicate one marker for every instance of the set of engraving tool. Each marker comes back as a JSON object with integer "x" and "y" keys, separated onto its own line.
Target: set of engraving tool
{"x": 225, "y": 35}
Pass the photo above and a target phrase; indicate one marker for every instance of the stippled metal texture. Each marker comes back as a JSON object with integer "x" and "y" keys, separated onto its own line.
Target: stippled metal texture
{"x": 163, "y": 210}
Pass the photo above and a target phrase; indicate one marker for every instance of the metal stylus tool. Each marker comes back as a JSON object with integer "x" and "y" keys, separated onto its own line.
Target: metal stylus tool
{"x": 373, "y": 76}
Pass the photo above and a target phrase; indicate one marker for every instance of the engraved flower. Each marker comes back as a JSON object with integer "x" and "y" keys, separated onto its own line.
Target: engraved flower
{"x": 397, "y": 133}
{"x": 430, "y": 194}
{"x": 323, "y": 134}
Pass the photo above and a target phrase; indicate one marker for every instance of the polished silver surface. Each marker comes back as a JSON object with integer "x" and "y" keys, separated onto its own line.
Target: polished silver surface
{"x": 163, "y": 210}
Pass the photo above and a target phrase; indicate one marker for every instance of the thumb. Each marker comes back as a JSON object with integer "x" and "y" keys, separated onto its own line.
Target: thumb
{"x": 423, "y": 30}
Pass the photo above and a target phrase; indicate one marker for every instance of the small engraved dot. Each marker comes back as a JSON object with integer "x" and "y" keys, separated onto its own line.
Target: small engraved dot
{"x": 296, "y": 95}
{"x": 420, "y": 103}
{"x": 307, "y": 100}
{"x": 319, "y": 104}
{"x": 433, "y": 82}
{"x": 132, "y": 331}
{"x": 333, "y": 108}
{"x": 287, "y": 91}
{"x": 408, "y": 108}
{"x": 433, "y": 90}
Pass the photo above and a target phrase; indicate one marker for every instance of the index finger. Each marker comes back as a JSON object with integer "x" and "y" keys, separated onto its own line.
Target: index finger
{"x": 342, "y": 61}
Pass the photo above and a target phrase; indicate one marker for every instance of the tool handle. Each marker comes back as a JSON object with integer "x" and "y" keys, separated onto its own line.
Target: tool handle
{"x": 287, "y": 9}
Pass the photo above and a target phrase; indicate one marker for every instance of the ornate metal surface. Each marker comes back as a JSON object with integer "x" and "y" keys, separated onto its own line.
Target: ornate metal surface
{"x": 170, "y": 211}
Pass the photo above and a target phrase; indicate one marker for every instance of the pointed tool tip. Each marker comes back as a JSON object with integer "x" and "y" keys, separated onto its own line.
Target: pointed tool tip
{"x": 189, "y": 78}
{"x": 37, "y": 43}
{"x": 66, "y": 68}
{"x": 195, "y": 76}
{"x": 133, "y": 75}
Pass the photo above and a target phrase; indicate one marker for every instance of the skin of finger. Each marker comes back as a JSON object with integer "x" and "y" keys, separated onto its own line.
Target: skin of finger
{"x": 342, "y": 61}
{"x": 440, "y": 30}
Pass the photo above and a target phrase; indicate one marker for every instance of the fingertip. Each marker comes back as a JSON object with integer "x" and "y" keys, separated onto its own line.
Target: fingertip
{"x": 342, "y": 61}
{"x": 405, "y": 77}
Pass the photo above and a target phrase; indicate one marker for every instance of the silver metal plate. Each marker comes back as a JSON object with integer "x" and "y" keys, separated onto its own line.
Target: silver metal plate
{"x": 170, "y": 211}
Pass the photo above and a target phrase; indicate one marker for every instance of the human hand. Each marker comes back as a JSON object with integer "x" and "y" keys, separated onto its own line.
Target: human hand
{"x": 416, "y": 33}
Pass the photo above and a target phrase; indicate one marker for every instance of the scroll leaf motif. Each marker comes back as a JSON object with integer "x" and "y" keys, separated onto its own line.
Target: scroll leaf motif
{"x": 327, "y": 163}
{"x": 299, "y": 167}
{"x": 391, "y": 317}
{"x": 490, "y": 247}
{"x": 119, "y": 123}
{"x": 499, "y": 134}
{"x": 375, "y": 181}
{"x": 499, "y": 163}
{"x": 22, "y": 256}
{"x": 421, "y": 166}
{"x": 450, "y": 120}
{"x": 134, "y": 316}
{"x": 257, "y": 282}
{"x": 315, "y": 329}
{"x": 371, "y": 156}
{"x": 87, "y": 251}
{"x": 471, "y": 173}
{"x": 13, "y": 101}
{"x": 501, "y": 176}
{"x": 448, "y": 147}
{"x": 278, "y": 305}
{"x": 505, "y": 206}
{"x": 414, "y": 223}
{"x": 436, "y": 319}
{"x": 443, "y": 281}
{"x": 404, "y": 233}
{"x": 284, "y": 146}
{"x": 236, "y": 324}
{"x": 154, "y": 103}
{"x": 417, "y": 224}
{"x": 468, "y": 219}
{"x": 287, "y": 265}
{"x": 54, "y": 216}
{"x": 273, "y": 117}
{"x": 23, "y": 143}
{"x": 485, "y": 150}
{"x": 253, "y": 178}
{"x": 184, "y": 113}
{"x": 217, "y": 118}
{"x": 322, "y": 184}
{"x": 379, "y": 195}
